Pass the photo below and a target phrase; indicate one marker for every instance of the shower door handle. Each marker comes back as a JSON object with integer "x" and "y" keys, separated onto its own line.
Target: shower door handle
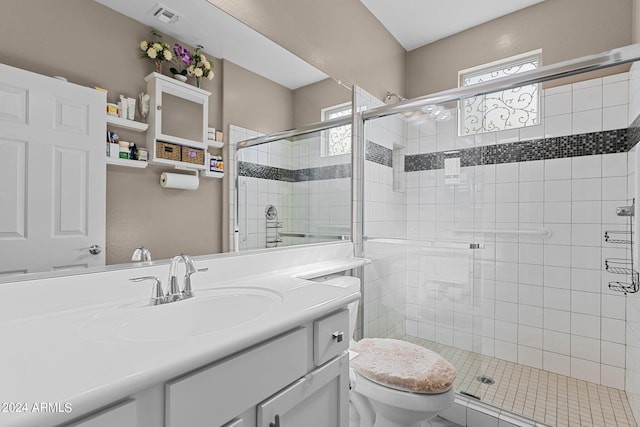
{"x": 476, "y": 245}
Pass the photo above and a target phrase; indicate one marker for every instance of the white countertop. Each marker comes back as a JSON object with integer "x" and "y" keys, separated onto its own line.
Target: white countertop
{"x": 46, "y": 359}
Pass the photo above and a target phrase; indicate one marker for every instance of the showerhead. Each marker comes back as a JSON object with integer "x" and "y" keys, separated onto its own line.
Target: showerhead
{"x": 390, "y": 95}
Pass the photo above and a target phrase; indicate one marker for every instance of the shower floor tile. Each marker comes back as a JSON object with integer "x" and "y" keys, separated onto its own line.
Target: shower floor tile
{"x": 539, "y": 395}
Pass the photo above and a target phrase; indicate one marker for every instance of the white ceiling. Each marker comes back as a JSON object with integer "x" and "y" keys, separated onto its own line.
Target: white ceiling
{"x": 224, "y": 37}
{"x": 415, "y": 23}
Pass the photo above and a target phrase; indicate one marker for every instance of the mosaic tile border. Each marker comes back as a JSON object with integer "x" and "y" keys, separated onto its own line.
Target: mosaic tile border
{"x": 375, "y": 153}
{"x": 379, "y": 154}
{"x": 634, "y": 132}
{"x": 607, "y": 142}
{"x": 254, "y": 170}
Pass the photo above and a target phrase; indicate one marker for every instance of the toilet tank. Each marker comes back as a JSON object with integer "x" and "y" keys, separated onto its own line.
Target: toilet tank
{"x": 347, "y": 282}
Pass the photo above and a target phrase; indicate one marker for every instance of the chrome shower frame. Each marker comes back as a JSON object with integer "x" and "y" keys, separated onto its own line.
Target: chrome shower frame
{"x": 611, "y": 58}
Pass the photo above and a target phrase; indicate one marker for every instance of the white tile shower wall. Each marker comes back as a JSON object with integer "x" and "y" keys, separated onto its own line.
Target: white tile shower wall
{"x": 320, "y": 206}
{"x": 385, "y": 228}
{"x": 632, "y": 336}
{"x": 541, "y": 302}
{"x": 317, "y": 207}
{"x": 256, "y": 194}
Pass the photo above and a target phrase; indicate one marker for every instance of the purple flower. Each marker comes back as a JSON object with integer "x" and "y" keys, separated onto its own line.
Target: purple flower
{"x": 182, "y": 53}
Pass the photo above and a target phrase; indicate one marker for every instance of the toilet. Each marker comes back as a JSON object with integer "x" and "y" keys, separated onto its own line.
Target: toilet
{"x": 393, "y": 383}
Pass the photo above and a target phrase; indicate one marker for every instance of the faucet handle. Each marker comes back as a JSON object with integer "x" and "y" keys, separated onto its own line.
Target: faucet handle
{"x": 157, "y": 296}
{"x": 187, "y": 291}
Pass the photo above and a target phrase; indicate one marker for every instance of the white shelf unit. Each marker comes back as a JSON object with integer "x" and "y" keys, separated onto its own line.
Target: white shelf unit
{"x": 157, "y": 86}
{"x": 131, "y": 125}
{"x": 215, "y": 144}
{"x": 212, "y": 174}
{"x": 119, "y": 122}
{"x": 127, "y": 162}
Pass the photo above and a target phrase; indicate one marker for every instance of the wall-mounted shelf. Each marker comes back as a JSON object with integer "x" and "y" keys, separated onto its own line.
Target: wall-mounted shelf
{"x": 127, "y": 162}
{"x": 215, "y": 144}
{"x": 179, "y": 165}
{"x": 126, "y": 124}
{"x": 212, "y": 174}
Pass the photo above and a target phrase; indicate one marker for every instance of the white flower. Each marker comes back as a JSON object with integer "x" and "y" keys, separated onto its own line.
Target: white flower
{"x": 152, "y": 53}
{"x": 198, "y": 72}
{"x": 167, "y": 55}
{"x": 203, "y": 58}
{"x": 144, "y": 45}
{"x": 157, "y": 47}
{"x": 210, "y": 76}
{"x": 207, "y": 65}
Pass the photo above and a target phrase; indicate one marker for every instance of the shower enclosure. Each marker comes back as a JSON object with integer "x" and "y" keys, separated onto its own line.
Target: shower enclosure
{"x": 492, "y": 243}
{"x": 505, "y": 248}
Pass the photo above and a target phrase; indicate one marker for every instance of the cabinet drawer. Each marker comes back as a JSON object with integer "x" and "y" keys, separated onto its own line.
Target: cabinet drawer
{"x": 122, "y": 415}
{"x": 320, "y": 399}
{"x": 330, "y": 336}
{"x": 214, "y": 395}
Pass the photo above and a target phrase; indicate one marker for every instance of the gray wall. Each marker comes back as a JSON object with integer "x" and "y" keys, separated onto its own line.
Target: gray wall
{"x": 340, "y": 37}
{"x": 563, "y": 29}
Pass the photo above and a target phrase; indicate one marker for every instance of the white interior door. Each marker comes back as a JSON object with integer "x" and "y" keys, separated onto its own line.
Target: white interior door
{"x": 52, "y": 173}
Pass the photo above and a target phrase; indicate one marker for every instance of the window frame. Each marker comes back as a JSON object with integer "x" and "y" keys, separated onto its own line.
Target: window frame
{"x": 496, "y": 66}
{"x": 325, "y": 149}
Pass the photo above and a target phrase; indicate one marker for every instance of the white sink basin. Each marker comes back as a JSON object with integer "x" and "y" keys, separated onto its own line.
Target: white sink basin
{"x": 210, "y": 311}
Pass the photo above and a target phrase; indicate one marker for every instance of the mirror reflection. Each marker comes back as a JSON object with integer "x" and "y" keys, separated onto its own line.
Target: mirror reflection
{"x": 294, "y": 191}
{"x": 139, "y": 212}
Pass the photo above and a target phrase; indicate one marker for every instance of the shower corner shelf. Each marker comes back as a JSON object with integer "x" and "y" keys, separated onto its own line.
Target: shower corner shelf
{"x": 623, "y": 266}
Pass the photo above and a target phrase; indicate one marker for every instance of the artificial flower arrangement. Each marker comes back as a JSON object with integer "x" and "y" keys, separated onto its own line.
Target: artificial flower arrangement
{"x": 186, "y": 63}
{"x": 158, "y": 50}
{"x": 200, "y": 67}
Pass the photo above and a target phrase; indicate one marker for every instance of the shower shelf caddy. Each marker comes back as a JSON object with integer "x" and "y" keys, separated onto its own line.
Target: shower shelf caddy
{"x": 623, "y": 266}
{"x": 272, "y": 226}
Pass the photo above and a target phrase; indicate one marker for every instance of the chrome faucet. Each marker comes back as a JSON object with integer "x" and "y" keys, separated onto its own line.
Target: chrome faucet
{"x": 173, "y": 293}
{"x": 141, "y": 254}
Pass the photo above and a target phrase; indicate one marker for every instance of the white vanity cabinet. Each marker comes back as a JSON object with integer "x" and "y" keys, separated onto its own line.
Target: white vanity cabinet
{"x": 298, "y": 378}
{"x": 274, "y": 384}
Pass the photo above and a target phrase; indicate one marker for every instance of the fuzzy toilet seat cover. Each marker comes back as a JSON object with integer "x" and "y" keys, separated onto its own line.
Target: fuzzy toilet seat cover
{"x": 403, "y": 365}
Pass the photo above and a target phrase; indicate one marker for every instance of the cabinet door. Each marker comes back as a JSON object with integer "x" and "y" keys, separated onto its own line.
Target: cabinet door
{"x": 319, "y": 399}
{"x": 123, "y": 415}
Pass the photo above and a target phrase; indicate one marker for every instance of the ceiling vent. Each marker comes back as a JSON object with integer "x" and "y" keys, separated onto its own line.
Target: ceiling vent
{"x": 164, "y": 14}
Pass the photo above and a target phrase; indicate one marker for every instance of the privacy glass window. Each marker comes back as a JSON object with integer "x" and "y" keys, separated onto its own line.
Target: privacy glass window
{"x": 509, "y": 109}
{"x": 336, "y": 141}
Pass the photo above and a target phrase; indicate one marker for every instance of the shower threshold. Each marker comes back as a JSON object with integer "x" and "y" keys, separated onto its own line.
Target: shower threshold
{"x": 538, "y": 395}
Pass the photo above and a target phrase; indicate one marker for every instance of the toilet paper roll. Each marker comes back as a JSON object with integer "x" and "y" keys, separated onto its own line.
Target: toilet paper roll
{"x": 181, "y": 181}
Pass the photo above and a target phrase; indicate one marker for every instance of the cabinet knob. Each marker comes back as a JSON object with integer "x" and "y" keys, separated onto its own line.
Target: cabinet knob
{"x": 276, "y": 423}
{"x": 338, "y": 336}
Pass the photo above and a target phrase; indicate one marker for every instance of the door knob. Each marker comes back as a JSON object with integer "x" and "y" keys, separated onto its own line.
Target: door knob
{"x": 95, "y": 249}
